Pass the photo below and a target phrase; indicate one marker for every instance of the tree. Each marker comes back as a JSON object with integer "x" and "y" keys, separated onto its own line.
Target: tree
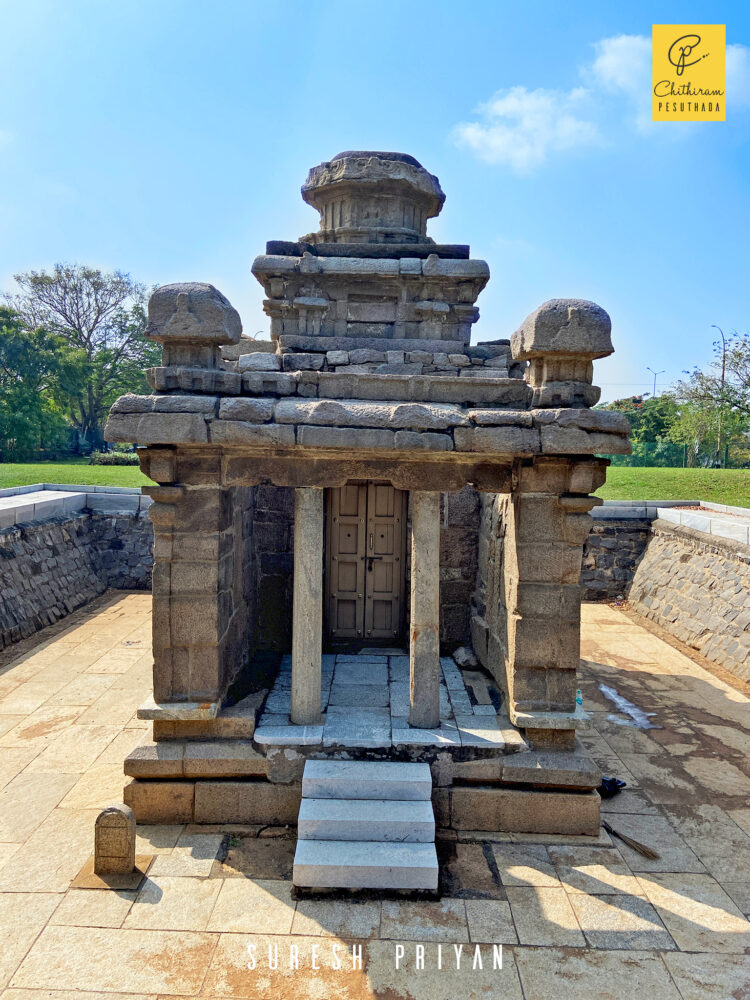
{"x": 33, "y": 365}
{"x": 650, "y": 416}
{"x": 721, "y": 392}
{"x": 101, "y": 318}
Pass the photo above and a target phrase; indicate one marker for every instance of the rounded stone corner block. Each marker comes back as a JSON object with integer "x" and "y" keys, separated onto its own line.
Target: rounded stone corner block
{"x": 114, "y": 840}
{"x": 192, "y": 312}
{"x": 564, "y": 326}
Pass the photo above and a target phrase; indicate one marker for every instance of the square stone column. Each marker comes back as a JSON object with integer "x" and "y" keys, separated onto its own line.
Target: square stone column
{"x": 424, "y": 646}
{"x": 545, "y": 521}
{"x": 200, "y": 631}
{"x": 307, "y": 620}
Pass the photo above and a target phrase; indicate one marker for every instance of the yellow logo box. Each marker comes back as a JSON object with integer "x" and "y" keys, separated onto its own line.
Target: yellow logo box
{"x": 689, "y": 72}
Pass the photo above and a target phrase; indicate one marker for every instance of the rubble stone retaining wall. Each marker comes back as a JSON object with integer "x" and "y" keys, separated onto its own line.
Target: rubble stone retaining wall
{"x": 49, "y": 568}
{"x": 696, "y": 586}
{"x": 610, "y": 556}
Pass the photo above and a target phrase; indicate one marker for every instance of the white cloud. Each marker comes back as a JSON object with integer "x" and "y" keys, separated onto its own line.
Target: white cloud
{"x": 520, "y": 128}
{"x": 623, "y": 65}
{"x": 738, "y": 77}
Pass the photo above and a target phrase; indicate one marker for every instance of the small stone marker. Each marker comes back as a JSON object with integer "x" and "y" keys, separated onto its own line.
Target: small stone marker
{"x": 114, "y": 840}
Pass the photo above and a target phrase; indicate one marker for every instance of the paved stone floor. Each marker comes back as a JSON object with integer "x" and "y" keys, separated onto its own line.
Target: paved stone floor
{"x": 576, "y": 921}
{"x": 365, "y": 698}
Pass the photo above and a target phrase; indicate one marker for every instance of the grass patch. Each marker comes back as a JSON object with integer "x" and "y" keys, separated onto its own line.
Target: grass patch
{"x": 72, "y": 471}
{"x": 730, "y": 486}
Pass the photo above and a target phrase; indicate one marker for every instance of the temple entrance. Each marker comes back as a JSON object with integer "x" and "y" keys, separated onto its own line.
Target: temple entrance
{"x": 365, "y": 562}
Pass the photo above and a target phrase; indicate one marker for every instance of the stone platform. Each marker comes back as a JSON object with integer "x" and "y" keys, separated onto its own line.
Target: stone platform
{"x": 365, "y": 705}
{"x": 245, "y": 764}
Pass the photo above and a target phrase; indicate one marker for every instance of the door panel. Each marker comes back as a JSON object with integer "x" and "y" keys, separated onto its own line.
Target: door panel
{"x": 384, "y": 577}
{"x": 347, "y": 520}
{"x": 366, "y": 536}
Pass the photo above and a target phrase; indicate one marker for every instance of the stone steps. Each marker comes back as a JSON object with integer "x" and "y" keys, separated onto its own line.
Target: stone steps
{"x": 365, "y": 779}
{"x": 391, "y": 821}
{"x": 362, "y": 864}
{"x": 366, "y": 825}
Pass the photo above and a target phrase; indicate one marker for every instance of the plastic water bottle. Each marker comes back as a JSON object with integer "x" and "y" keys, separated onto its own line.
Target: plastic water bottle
{"x": 579, "y": 697}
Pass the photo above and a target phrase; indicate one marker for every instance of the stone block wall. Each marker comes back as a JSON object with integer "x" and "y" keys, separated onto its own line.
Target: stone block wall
{"x": 273, "y": 569}
{"x": 696, "y": 586}
{"x": 49, "y": 568}
{"x": 459, "y": 533}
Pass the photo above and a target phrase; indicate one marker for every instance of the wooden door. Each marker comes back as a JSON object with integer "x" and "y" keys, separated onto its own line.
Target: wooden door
{"x": 365, "y": 559}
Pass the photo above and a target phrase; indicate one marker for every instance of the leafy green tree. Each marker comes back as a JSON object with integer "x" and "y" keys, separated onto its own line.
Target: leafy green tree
{"x": 33, "y": 364}
{"x": 697, "y": 429}
{"x": 720, "y": 394}
{"x": 650, "y": 416}
{"x": 100, "y": 318}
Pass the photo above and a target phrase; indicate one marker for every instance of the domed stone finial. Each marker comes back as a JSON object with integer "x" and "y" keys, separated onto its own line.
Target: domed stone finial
{"x": 372, "y": 197}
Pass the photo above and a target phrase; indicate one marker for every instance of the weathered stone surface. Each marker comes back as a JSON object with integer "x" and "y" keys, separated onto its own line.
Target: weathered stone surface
{"x": 302, "y": 362}
{"x": 256, "y": 411}
{"x": 465, "y": 657}
{"x": 157, "y": 428}
{"x": 346, "y": 344}
{"x": 424, "y": 629}
{"x": 412, "y": 440}
{"x": 515, "y": 810}
{"x": 268, "y": 384}
{"x": 355, "y": 413}
{"x": 564, "y": 326}
{"x": 503, "y": 440}
{"x": 246, "y": 802}
{"x": 260, "y": 362}
{"x": 337, "y": 357}
{"x": 114, "y": 840}
{"x": 375, "y": 193}
{"x": 155, "y": 760}
{"x": 192, "y": 312}
{"x": 187, "y": 376}
{"x": 160, "y": 801}
{"x": 573, "y": 770}
{"x": 576, "y": 441}
{"x": 343, "y": 437}
{"x": 240, "y": 432}
{"x": 223, "y": 759}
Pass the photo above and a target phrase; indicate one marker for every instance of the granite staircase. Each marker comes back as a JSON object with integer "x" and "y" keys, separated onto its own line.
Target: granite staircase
{"x": 366, "y": 825}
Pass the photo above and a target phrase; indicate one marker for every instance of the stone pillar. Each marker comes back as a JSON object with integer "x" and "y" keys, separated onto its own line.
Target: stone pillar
{"x": 307, "y": 622}
{"x": 424, "y": 648}
{"x": 198, "y": 606}
{"x": 545, "y": 524}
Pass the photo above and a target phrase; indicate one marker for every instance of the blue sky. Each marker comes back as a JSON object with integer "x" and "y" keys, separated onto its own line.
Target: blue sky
{"x": 169, "y": 139}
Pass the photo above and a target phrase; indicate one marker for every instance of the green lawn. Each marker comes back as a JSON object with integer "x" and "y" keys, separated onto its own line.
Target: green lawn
{"x": 75, "y": 471}
{"x": 730, "y": 486}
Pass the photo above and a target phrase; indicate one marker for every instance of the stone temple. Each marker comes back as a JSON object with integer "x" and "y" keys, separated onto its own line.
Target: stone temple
{"x": 338, "y": 510}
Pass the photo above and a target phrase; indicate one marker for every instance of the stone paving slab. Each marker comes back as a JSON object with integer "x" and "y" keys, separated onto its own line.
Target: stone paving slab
{"x": 593, "y": 918}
